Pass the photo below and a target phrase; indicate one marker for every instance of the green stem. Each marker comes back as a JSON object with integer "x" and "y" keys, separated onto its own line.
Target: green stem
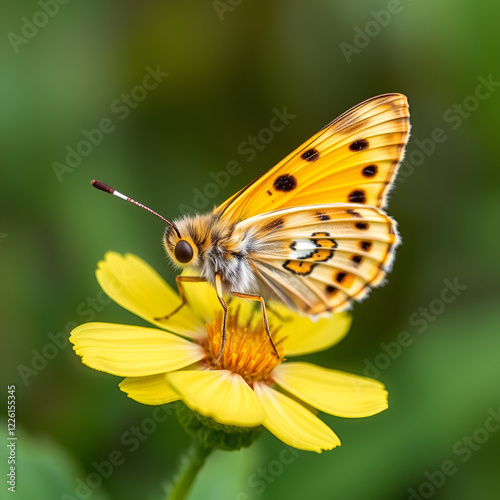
{"x": 194, "y": 463}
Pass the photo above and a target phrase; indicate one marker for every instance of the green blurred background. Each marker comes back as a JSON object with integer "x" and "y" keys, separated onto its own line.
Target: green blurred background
{"x": 230, "y": 63}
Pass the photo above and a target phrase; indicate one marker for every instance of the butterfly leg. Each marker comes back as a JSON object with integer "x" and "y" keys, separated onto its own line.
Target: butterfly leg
{"x": 180, "y": 280}
{"x": 258, "y": 298}
{"x": 218, "y": 289}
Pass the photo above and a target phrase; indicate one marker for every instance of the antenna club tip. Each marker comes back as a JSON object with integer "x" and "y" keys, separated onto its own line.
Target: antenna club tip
{"x": 103, "y": 187}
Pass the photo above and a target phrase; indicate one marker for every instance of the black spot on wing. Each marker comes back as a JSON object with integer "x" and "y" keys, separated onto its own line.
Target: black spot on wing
{"x": 340, "y": 277}
{"x": 322, "y": 216}
{"x": 370, "y": 171}
{"x": 357, "y": 196}
{"x": 365, "y": 245}
{"x": 310, "y": 155}
{"x": 285, "y": 183}
{"x": 356, "y": 259}
{"x": 358, "y": 145}
{"x": 354, "y": 213}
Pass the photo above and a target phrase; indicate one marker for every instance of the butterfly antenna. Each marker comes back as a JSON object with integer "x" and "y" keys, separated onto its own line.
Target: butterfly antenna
{"x": 104, "y": 187}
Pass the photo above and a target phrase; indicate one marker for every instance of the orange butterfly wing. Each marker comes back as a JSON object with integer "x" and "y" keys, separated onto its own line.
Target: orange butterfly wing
{"x": 353, "y": 159}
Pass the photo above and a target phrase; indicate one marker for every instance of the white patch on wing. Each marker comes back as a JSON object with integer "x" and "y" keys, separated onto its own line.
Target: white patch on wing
{"x": 302, "y": 248}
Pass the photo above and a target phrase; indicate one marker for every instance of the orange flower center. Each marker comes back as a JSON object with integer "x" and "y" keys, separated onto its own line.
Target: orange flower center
{"x": 248, "y": 350}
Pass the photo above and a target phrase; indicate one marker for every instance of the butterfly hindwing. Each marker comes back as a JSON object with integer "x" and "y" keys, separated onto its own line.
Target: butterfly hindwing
{"x": 320, "y": 258}
{"x": 354, "y": 159}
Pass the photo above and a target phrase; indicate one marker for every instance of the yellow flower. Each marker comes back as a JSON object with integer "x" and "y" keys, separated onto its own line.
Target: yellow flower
{"x": 249, "y": 386}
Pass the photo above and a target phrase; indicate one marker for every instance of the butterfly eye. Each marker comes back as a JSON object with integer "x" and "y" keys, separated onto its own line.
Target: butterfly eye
{"x": 183, "y": 251}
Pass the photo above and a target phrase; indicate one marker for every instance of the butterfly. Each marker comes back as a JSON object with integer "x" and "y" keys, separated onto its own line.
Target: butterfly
{"x": 311, "y": 232}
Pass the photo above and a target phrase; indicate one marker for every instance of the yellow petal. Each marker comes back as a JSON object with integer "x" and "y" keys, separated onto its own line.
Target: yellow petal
{"x": 218, "y": 394}
{"x": 152, "y": 390}
{"x": 202, "y": 298}
{"x": 332, "y": 391}
{"x": 304, "y": 336}
{"x": 132, "y": 351}
{"x": 136, "y": 286}
{"x": 292, "y": 423}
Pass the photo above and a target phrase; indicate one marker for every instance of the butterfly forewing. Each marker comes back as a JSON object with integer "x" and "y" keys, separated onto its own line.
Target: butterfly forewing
{"x": 353, "y": 159}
